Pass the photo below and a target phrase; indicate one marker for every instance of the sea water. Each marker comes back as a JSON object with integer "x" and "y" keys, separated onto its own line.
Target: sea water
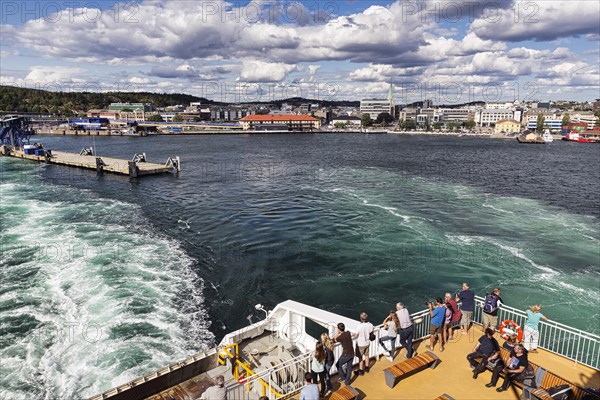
{"x": 106, "y": 278}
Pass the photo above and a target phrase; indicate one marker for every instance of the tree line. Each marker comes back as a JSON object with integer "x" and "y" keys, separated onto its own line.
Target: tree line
{"x": 15, "y": 99}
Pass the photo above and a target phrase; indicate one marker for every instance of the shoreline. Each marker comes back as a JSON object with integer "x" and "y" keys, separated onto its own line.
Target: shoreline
{"x": 240, "y": 132}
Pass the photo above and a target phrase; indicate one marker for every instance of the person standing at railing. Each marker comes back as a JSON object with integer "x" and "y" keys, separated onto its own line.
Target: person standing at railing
{"x": 392, "y": 324}
{"x": 344, "y": 364}
{"x": 491, "y": 305}
{"x": 328, "y": 346}
{"x": 437, "y": 324}
{"x": 467, "y": 306}
{"x": 456, "y": 316}
{"x": 406, "y": 329}
{"x": 317, "y": 366}
{"x": 531, "y": 332}
{"x": 363, "y": 341}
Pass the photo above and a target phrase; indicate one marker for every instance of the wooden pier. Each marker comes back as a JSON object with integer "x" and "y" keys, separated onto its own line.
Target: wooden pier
{"x": 134, "y": 168}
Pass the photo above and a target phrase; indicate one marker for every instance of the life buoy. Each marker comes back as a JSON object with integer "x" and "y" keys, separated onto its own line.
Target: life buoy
{"x": 510, "y": 327}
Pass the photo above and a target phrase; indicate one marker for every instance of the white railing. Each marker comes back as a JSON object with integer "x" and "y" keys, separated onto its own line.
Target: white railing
{"x": 574, "y": 344}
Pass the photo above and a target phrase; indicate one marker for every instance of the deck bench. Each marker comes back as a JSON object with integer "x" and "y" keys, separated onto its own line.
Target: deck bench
{"x": 409, "y": 367}
{"x": 548, "y": 380}
{"x": 345, "y": 393}
{"x": 444, "y": 397}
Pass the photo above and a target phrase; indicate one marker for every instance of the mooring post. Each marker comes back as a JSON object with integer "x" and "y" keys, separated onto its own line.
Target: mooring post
{"x": 133, "y": 169}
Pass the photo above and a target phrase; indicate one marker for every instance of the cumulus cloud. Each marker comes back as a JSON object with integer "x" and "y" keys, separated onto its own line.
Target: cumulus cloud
{"x": 54, "y": 74}
{"x": 260, "y": 71}
{"x": 541, "y": 20}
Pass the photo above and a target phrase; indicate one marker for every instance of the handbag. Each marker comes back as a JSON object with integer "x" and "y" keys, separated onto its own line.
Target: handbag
{"x": 491, "y": 364}
{"x": 372, "y": 336}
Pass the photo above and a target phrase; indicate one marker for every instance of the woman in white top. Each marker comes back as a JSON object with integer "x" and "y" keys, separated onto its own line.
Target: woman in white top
{"x": 392, "y": 324}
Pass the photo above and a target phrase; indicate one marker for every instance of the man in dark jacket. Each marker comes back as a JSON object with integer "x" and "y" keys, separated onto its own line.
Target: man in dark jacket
{"x": 486, "y": 349}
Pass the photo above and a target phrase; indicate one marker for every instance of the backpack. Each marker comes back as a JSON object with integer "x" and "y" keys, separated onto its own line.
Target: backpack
{"x": 527, "y": 377}
{"x": 561, "y": 392}
{"x": 491, "y": 303}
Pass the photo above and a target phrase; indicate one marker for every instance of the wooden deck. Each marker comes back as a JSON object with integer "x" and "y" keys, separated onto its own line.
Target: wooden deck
{"x": 454, "y": 376}
{"x": 107, "y": 164}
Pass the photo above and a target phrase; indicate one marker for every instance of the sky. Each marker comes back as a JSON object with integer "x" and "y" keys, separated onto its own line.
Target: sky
{"x": 243, "y": 51}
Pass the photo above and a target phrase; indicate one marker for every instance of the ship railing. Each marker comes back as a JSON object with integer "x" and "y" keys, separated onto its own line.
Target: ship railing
{"x": 278, "y": 382}
{"x": 575, "y": 344}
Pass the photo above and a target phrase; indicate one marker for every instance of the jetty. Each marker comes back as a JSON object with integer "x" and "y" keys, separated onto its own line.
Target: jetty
{"x": 15, "y": 142}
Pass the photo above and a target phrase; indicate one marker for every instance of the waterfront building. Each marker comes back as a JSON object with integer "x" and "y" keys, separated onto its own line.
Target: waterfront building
{"x": 507, "y": 126}
{"x": 585, "y": 117}
{"x": 289, "y": 122}
{"x": 374, "y": 107}
{"x": 131, "y": 111}
{"x": 549, "y": 123}
{"x": 347, "y": 120}
{"x": 458, "y": 115}
{"x": 427, "y": 114}
{"x": 228, "y": 114}
{"x": 408, "y": 113}
{"x": 489, "y": 117}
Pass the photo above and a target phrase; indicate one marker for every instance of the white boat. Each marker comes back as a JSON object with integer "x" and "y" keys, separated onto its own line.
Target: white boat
{"x": 547, "y": 137}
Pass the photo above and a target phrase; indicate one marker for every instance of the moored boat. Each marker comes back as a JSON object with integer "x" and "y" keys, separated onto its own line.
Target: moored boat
{"x": 547, "y": 136}
{"x": 578, "y": 137}
{"x": 530, "y": 138}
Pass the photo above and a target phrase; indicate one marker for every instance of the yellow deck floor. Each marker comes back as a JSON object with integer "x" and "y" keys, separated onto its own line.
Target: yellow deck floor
{"x": 454, "y": 377}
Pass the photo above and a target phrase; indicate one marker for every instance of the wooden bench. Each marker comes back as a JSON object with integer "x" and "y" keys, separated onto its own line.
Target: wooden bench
{"x": 409, "y": 367}
{"x": 549, "y": 380}
{"x": 444, "y": 397}
{"x": 345, "y": 393}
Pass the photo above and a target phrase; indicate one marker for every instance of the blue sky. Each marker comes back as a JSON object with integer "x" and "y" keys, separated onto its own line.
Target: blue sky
{"x": 448, "y": 51}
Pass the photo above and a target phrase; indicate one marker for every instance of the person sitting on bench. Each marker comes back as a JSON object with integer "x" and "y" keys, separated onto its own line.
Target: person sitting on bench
{"x": 487, "y": 349}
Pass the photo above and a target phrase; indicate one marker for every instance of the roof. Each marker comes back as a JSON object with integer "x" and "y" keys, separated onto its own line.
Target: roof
{"x": 346, "y": 118}
{"x": 280, "y": 117}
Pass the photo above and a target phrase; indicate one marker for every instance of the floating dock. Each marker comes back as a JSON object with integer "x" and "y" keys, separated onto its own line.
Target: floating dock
{"x": 134, "y": 168}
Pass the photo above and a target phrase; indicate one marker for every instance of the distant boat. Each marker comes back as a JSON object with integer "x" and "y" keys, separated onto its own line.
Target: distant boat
{"x": 576, "y": 137}
{"x": 547, "y": 137}
{"x": 530, "y": 138}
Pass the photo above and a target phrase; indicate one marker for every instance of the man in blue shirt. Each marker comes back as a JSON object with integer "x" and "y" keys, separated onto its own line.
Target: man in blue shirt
{"x": 467, "y": 306}
{"x": 311, "y": 390}
{"x": 437, "y": 323}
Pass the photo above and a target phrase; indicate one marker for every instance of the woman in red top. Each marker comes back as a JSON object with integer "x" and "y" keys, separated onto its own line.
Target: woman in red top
{"x": 456, "y": 315}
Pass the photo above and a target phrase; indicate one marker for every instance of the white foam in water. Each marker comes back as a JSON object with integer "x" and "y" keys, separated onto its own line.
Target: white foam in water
{"x": 128, "y": 305}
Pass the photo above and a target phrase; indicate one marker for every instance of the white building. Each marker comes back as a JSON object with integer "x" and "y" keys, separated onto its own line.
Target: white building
{"x": 489, "y": 117}
{"x": 374, "y": 107}
{"x": 586, "y": 117}
{"x": 498, "y": 106}
{"x": 347, "y": 120}
{"x": 459, "y": 115}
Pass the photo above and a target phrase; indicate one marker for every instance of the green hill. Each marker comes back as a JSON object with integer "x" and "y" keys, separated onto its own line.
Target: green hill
{"x": 67, "y": 103}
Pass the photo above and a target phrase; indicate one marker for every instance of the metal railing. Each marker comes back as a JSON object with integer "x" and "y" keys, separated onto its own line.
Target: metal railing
{"x": 574, "y": 344}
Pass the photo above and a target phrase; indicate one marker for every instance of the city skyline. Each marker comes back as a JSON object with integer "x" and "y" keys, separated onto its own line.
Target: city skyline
{"x": 447, "y": 51}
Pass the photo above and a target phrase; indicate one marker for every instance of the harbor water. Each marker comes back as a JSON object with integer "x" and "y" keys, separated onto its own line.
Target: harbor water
{"x": 106, "y": 278}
